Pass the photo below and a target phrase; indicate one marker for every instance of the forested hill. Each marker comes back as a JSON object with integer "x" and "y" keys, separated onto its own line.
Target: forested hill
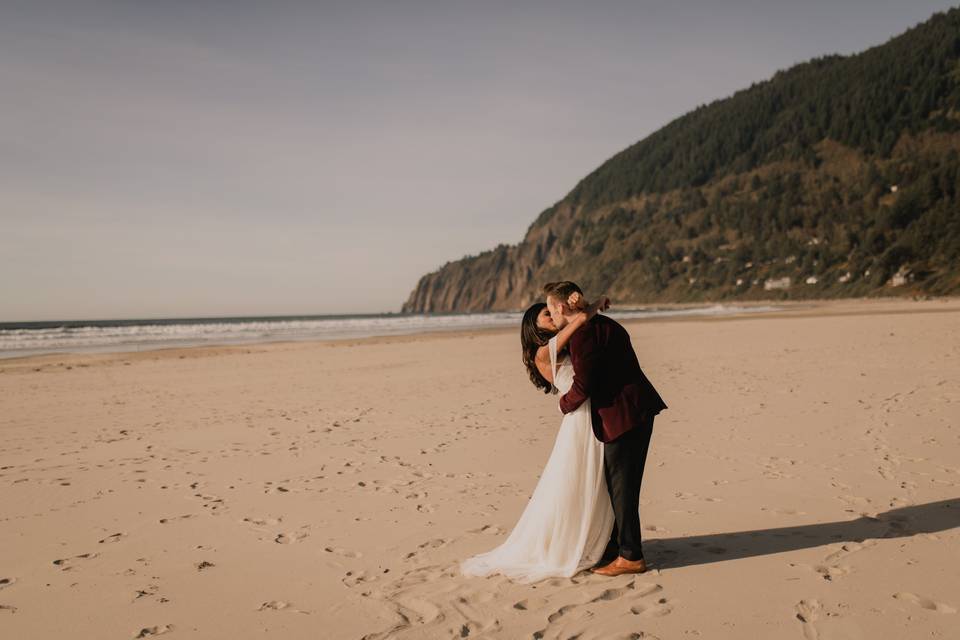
{"x": 838, "y": 177}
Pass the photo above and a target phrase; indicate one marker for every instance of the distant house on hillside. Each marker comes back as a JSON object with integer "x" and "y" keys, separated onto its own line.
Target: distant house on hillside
{"x": 901, "y": 277}
{"x": 771, "y": 284}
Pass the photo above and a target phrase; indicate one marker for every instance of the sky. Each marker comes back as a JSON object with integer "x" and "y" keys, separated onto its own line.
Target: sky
{"x": 171, "y": 159}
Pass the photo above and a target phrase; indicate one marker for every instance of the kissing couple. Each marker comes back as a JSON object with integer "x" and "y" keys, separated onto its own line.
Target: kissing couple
{"x": 584, "y": 511}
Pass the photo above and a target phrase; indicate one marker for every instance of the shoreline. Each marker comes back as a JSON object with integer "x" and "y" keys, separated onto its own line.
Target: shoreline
{"x": 788, "y": 309}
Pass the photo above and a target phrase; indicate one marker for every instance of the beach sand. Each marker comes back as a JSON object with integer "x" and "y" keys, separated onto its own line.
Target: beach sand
{"x": 804, "y": 483}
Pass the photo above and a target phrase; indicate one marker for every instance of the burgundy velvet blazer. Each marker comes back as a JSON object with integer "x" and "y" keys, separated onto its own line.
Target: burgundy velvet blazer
{"x": 606, "y": 370}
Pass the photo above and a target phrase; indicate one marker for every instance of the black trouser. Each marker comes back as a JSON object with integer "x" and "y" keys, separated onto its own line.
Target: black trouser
{"x": 623, "y": 462}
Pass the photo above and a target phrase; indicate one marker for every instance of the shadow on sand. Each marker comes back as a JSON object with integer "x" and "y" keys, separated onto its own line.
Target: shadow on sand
{"x": 669, "y": 553}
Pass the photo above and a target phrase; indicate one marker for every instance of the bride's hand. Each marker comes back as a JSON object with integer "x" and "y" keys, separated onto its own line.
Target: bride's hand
{"x": 576, "y": 302}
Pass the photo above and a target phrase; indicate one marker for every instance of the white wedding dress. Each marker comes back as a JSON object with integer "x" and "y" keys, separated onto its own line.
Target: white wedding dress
{"x": 566, "y": 524}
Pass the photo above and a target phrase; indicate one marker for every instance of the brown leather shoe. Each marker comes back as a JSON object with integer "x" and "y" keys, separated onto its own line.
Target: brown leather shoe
{"x": 621, "y": 566}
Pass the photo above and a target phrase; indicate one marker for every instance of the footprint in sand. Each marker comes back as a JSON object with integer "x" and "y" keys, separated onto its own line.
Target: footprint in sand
{"x": 278, "y": 605}
{"x": 183, "y": 517}
{"x": 436, "y": 543}
{"x": 924, "y": 602}
{"x": 488, "y": 528}
{"x": 6, "y": 582}
{"x": 808, "y": 612}
{"x": 533, "y": 603}
{"x": 351, "y": 579}
{"x": 149, "y": 591}
{"x": 831, "y": 568}
{"x": 661, "y": 608}
{"x": 66, "y": 564}
{"x": 559, "y": 613}
{"x": 113, "y": 537}
{"x": 606, "y": 595}
{"x": 214, "y": 503}
{"x": 290, "y": 538}
{"x": 263, "y": 522}
{"x": 633, "y": 591}
{"x": 829, "y": 572}
{"x": 613, "y": 594}
{"x": 158, "y": 630}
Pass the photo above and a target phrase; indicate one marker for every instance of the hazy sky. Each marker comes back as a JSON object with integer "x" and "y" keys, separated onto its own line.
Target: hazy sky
{"x": 174, "y": 158}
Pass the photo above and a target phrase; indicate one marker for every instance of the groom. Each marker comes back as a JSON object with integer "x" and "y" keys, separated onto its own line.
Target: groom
{"x": 623, "y": 404}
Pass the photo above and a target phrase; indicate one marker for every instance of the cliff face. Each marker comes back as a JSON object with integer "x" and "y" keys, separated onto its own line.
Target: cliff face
{"x": 498, "y": 280}
{"x": 486, "y": 282}
{"x": 841, "y": 174}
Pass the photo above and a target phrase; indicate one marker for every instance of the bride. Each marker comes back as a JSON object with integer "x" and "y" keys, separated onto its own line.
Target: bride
{"x": 566, "y": 525}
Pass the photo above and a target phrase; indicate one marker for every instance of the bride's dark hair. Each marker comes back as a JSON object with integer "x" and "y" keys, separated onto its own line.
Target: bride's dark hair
{"x": 532, "y": 338}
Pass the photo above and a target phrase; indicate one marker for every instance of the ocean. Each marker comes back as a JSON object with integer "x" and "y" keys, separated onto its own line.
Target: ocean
{"x": 33, "y": 338}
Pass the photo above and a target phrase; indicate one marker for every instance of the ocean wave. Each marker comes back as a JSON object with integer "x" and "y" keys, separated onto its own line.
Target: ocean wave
{"x": 135, "y": 335}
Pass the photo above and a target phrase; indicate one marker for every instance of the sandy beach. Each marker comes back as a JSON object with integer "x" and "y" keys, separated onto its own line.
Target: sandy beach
{"x": 804, "y": 483}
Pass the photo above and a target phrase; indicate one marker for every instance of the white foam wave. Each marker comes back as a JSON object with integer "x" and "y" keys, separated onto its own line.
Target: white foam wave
{"x": 146, "y": 335}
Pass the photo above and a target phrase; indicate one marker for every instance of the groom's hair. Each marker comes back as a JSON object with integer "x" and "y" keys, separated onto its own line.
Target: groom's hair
{"x": 561, "y": 290}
